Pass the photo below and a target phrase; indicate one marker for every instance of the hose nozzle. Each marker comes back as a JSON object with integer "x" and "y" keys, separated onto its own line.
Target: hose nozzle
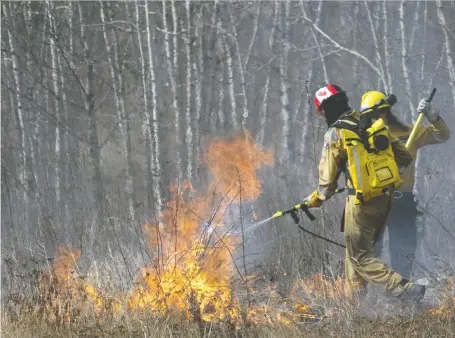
{"x": 278, "y": 214}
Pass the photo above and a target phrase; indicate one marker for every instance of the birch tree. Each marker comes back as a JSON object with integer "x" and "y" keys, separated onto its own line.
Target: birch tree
{"x": 265, "y": 98}
{"x": 385, "y": 17}
{"x": 188, "y": 117}
{"x": 449, "y": 45}
{"x": 88, "y": 95}
{"x": 146, "y": 125}
{"x": 220, "y": 117}
{"x": 58, "y": 105}
{"x": 230, "y": 74}
{"x": 18, "y": 108}
{"x": 172, "y": 64}
{"x": 307, "y": 109}
{"x": 14, "y": 231}
{"x": 374, "y": 29}
{"x": 216, "y": 81}
{"x": 241, "y": 70}
{"x": 404, "y": 62}
{"x": 284, "y": 149}
{"x": 198, "y": 68}
{"x": 65, "y": 161}
{"x": 33, "y": 134}
{"x": 150, "y": 126}
{"x": 213, "y": 75}
{"x": 124, "y": 124}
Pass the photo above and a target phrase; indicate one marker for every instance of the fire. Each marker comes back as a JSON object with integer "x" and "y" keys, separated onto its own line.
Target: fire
{"x": 64, "y": 295}
{"x": 234, "y": 163}
{"x": 192, "y": 288}
{"x": 192, "y": 271}
{"x": 192, "y": 274}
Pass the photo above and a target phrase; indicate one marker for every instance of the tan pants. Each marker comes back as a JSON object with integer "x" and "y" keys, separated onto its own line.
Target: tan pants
{"x": 363, "y": 225}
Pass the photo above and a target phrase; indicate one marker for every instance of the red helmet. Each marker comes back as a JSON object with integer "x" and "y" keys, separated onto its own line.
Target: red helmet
{"x": 324, "y": 93}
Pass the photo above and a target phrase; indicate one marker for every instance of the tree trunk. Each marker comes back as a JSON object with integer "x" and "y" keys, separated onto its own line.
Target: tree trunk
{"x": 245, "y": 114}
{"x": 308, "y": 108}
{"x": 404, "y": 62}
{"x": 172, "y": 66}
{"x": 220, "y": 70}
{"x": 22, "y": 127}
{"x": 151, "y": 123}
{"x": 263, "y": 112}
{"x": 449, "y": 47}
{"x": 377, "y": 49}
{"x": 119, "y": 92}
{"x": 58, "y": 109}
{"x": 7, "y": 189}
{"x": 188, "y": 117}
{"x": 386, "y": 46}
{"x": 33, "y": 134}
{"x": 198, "y": 70}
{"x": 230, "y": 72}
{"x": 284, "y": 148}
{"x": 155, "y": 123}
{"x": 146, "y": 125}
{"x": 96, "y": 185}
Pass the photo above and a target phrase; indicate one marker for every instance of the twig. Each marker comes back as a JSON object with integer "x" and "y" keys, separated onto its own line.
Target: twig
{"x": 243, "y": 240}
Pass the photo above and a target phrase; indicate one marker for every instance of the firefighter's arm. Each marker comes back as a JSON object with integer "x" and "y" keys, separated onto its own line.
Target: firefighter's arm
{"x": 403, "y": 156}
{"x": 332, "y": 155}
{"x": 435, "y": 133}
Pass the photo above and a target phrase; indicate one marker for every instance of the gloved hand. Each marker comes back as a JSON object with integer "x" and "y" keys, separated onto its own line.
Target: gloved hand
{"x": 313, "y": 201}
{"x": 430, "y": 112}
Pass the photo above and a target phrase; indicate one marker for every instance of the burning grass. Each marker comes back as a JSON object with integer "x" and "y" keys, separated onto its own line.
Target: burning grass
{"x": 191, "y": 282}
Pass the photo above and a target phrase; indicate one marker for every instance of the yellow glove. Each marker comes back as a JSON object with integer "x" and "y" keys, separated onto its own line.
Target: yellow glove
{"x": 313, "y": 201}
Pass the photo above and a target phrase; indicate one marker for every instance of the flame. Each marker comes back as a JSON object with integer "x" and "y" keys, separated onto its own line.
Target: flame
{"x": 65, "y": 296}
{"x": 192, "y": 274}
{"x": 191, "y": 271}
{"x": 234, "y": 162}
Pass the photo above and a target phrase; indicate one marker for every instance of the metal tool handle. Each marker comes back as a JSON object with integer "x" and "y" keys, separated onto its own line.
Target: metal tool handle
{"x": 431, "y": 95}
{"x": 418, "y": 122}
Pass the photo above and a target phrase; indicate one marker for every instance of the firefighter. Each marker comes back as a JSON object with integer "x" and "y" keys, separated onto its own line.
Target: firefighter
{"x": 372, "y": 160}
{"x": 405, "y": 222}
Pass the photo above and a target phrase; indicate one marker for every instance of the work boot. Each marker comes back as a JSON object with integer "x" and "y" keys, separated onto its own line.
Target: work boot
{"x": 413, "y": 292}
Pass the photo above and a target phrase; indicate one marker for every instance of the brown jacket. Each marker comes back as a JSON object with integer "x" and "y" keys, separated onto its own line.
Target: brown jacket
{"x": 334, "y": 155}
{"x": 436, "y": 133}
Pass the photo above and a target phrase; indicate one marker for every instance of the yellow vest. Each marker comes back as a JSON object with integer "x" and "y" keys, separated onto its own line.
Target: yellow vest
{"x": 371, "y": 166}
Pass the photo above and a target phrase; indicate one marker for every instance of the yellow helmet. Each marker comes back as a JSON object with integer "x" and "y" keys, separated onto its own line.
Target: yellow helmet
{"x": 376, "y": 99}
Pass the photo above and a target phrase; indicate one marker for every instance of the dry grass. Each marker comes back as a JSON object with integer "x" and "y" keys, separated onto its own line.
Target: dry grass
{"x": 65, "y": 306}
{"x": 424, "y": 325}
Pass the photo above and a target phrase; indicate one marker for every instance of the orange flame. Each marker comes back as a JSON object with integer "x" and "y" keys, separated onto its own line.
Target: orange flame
{"x": 234, "y": 162}
{"x": 192, "y": 274}
{"x": 192, "y": 266}
{"x": 64, "y": 294}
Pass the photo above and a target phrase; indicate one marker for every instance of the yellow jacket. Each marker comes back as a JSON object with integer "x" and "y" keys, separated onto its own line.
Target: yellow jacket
{"x": 436, "y": 133}
{"x": 334, "y": 155}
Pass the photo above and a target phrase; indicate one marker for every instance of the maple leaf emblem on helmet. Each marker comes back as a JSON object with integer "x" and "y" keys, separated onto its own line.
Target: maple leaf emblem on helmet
{"x": 322, "y": 93}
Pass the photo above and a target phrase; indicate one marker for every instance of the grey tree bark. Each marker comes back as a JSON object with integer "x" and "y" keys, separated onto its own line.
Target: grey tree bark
{"x": 263, "y": 111}
{"x": 19, "y": 112}
{"x": 119, "y": 97}
{"x": 89, "y": 97}
{"x": 172, "y": 67}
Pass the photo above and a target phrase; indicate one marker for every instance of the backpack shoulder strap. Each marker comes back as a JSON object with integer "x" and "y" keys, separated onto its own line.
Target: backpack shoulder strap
{"x": 348, "y": 123}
